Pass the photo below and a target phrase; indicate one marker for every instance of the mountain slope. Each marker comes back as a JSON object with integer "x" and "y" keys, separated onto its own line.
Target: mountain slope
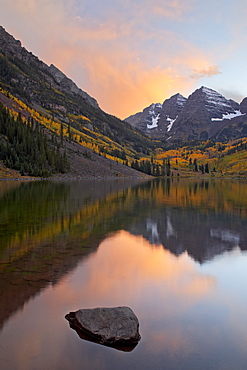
{"x": 48, "y": 90}
{"x": 31, "y": 145}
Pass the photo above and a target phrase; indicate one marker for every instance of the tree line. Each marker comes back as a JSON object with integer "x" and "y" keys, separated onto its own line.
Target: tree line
{"x": 151, "y": 168}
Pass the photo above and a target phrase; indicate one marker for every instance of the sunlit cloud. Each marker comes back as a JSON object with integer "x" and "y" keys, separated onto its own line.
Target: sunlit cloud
{"x": 125, "y": 79}
{"x": 206, "y": 72}
{"x": 171, "y": 8}
{"x": 123, "y": 54}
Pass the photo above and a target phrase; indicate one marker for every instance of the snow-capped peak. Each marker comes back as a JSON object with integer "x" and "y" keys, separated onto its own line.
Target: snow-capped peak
{"x": 217, "y": 105}
{"x": 169, "y": 126}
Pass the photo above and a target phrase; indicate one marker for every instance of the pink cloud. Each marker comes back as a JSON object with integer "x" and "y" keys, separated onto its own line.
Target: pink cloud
{"x": 210, "y": 71}
{"x": 115, "y": 60}
{"x": 171, "y": 8}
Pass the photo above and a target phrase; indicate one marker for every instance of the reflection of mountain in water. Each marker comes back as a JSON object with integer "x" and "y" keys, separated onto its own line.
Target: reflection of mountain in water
{"x": 203, "y": 236}
{"x": 46, "y": 228}
{"x": 202, "y": 229}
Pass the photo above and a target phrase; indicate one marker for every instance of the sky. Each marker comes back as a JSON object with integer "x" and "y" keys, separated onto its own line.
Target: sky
{"x": 128, "y": 54}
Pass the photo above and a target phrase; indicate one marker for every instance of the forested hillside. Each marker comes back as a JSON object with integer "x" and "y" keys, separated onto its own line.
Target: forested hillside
{"x": 24, "y": 147}
{"x": 35, "y": 144}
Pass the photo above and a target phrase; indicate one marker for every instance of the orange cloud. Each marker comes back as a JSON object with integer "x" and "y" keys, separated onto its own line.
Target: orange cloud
{"x": 118, "y": 61}
{"x": 171, "y": 8}
{"x": 124, "y": 80}
{"x": 206, "y": 72}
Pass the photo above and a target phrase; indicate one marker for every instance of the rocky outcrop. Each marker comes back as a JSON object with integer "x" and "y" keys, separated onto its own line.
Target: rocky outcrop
{"x": 69, "y": 86}
{"x": 108, "y": 326}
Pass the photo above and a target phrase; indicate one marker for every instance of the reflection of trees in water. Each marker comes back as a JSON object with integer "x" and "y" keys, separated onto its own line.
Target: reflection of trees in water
{"x": 51, "y": 226}
{"x": 37, "y": 211}
{"x": 63, "y": 224}
{"x": 215, "y": 194}
{"x": 25, "y": 209}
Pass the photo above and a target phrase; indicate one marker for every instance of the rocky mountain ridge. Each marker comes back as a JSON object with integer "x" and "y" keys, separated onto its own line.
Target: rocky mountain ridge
{"x": 204, "y": 115}
{"x": 11, "y": 47}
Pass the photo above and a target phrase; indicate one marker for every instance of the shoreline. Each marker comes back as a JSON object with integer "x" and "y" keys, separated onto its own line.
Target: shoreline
{"x": 80, "y": 178}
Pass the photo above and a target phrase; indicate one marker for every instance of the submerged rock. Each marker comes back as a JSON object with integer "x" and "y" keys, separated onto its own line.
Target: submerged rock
{"x": 108, "y": 326}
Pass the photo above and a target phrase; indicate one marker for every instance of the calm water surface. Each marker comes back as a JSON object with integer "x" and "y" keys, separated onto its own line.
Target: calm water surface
{"x": 174, "y": 251}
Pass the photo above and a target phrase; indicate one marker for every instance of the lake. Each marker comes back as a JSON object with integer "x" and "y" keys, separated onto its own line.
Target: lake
{"x": 174, "y": 250}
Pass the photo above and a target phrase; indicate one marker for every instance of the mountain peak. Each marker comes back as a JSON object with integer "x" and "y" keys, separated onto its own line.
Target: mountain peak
{"x": 180, "y": 99}
{"x": 200, "y": 116}
{"x": 206, "y": 89}
{"x": 206, "y": 92}
{"x": 157, "y": 119}
{"x": 198, "y": 119}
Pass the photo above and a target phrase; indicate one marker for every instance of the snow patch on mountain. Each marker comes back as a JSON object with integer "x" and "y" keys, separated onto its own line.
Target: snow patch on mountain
{"x": 236, "y": 113}
{"x": 153, "y": 116}
{"x": 171, "y": 122}
{"x": 154, "y": 122}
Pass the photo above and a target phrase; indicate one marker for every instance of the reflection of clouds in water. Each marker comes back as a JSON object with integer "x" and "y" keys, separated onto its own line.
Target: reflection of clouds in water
{"x": 128, "y": 268}
{"x": 173, "y": 340}
{"x": 226, "y": 236}
{"x": 152, "y": 281}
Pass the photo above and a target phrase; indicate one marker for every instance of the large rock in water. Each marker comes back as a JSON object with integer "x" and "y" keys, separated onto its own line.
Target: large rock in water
{"x": 108, "y": 326}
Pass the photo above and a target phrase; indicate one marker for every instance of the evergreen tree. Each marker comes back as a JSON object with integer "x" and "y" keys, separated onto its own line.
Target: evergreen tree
{"x": 201, "y": 168}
